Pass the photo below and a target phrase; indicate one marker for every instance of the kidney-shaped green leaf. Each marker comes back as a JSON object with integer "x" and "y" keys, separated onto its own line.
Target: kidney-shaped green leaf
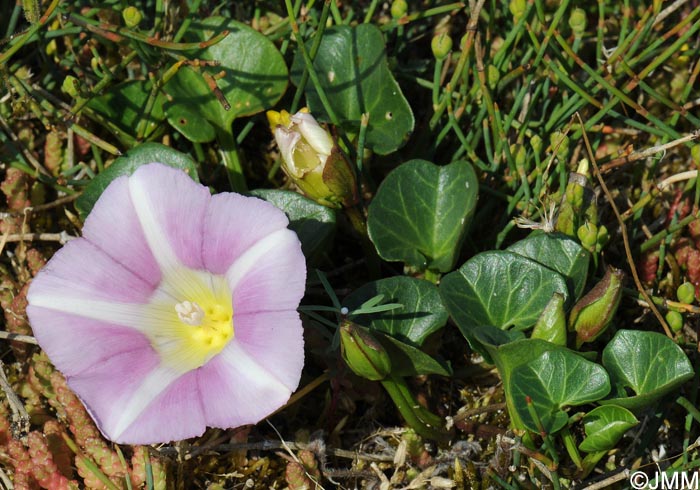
{"x": 554, "y": 380}
{"x": 649, "y": 363}
{"x": 501, "y": 289}
{"x": 312, "y": 222}
{"x": 422, "y": 312}
{"x": 127, "y": 165}
{"x": 560, "y": 253}
{"x": 353, "y": 71}
{"x": 604, "y": 427}
{"x": 254, "y": 77}
{"x": 421, "y": 212}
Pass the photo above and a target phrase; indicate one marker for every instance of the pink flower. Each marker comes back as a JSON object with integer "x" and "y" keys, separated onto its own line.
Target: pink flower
{"x": 176, "y": 310}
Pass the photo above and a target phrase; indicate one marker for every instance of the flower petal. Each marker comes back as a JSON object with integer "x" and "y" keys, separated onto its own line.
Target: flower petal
{"x": 114, "y": 227}
{"x": 63, "y": 335}
{"x": 82, "y": 271}
{"x": 171, "y": 208}
{"x": 269, "y": 276}
{"x": 233, "y": 224}
{"x": 275, "y": 340}
{"x": 238, "y": 389}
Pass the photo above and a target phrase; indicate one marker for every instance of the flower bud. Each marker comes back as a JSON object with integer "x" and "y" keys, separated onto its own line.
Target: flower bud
{"x": 578, "y": 203}
{"x": 70, "y": 86}
{"x": 132, "y": 17}
{"x": 441, "y": 45}
{"x": 551, "y": 325}
{"x": 559, "y": 142}
{"x": 363, "y": 353}
{"x": 536, "y": 143}
{"x": 588, "y": 236}
{"x": 674, "y": 320}
{"x": 493, "y": 76}
{"x": 594, "y": 312}
{"x": 399, "y": 8}
{"x": 311, "y": 159}
{"x": 577, "y": 22}
{"x": 517, "y": 8}
{"x": 686, "y": 293}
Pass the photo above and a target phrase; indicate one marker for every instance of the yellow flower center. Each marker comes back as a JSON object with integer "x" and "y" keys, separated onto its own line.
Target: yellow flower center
{"x": 188, "y": 333}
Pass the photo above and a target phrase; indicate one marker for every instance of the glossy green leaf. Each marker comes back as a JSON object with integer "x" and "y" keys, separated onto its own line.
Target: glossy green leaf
{"x": 407, "y": 360}
{"x": 421, "y": 212}
{"x": 508, "y": 354}
{"x": 555, "y": 380}
{"x": 127, "y": 165}
{"x": 499, "y": 288}
{"x": 422, "y": 312}
{"x": 604, "y": 427}
{"x": 313, "y": 223}
{"x": 255, "y": 74}
{"x": 124, "y": 106}
{"x": 648, "y": 363}
{"x": 560, "y": 253}
{"x": 353, "y": 71}
{"x": 188, "y": 121}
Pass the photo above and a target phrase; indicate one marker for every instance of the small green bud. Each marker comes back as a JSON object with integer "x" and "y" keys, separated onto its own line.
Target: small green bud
{"x": 492, "y": 76}
{"x": 132, "y": 17}
{"x": 577, "y": 22}
{"x": 399, "y": 8}
{"x": 70, "y": 86}
{"x": 674, "y": 320}
{"x": 686, "y": 293}
{"x": 441, "y": 46}
{"x": 551, "y": 325}
{"x": 559, "y": 142}
{"x": 536, "y": 143}
{"x": 363, "y": 353}
{"x": 588, "y": 235}
{"x": 593, "y": 313}
{"x": 695, "y": 153}
{"x": 602, "y": 239}
{"x": 517, "y": 8}
{"x": 519, "y": 155}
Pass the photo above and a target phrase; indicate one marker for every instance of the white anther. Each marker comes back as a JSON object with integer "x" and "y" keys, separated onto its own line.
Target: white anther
{"x": 190, "y": 313}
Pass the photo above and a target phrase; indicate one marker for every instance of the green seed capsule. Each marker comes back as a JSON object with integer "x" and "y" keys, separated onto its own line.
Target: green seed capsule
{"x": 577, "y": 22}
{"x": 70, "y": 86}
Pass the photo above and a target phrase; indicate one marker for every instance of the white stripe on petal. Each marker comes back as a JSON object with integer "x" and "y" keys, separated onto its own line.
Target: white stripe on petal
{"x": 154, "y": 233}
{"x": 157, "y": 381}
{"x": 257, "y": 253}
{"x": 236, "y": 356}
{"x": 140, "y": 317}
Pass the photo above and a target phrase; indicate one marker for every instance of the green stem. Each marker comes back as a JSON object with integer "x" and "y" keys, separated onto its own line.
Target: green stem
{"x": 231, "y": 160}
{"x": 423, "y": 421}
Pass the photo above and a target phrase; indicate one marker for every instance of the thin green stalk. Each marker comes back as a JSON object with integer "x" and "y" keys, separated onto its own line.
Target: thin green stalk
{"x": 231, "y": 160}
{"x": 424, "y": 422}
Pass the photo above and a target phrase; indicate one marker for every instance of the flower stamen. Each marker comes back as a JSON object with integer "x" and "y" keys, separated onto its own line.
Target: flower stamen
{"x": 190, "y": 313}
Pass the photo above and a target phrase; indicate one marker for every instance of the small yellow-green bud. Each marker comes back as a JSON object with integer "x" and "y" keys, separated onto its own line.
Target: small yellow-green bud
{"x": 593, "y": 313}
{"x": 559, "y": 142}
{"x": 441, "y": 45}
{"x": 686, "y": 293}
{"x": 399, "y": 8}
{"x": 132, "y": 17}
{"x": 602, "y": 239}
{"x": 695, "y": 153}
{"x": 551, "y": 325}
{"x": 674, "y": 320}
{"x": 577, "y": 22}
{"x": 519, "y": 155}
{"x": 536, "y": 143}
{"x": 492, "y": 76}
{"x": 588, "y": 235}
{"x": 517, "y": 8}
{"x": 363, "y": 353}
{"x": 70, "y": 86}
